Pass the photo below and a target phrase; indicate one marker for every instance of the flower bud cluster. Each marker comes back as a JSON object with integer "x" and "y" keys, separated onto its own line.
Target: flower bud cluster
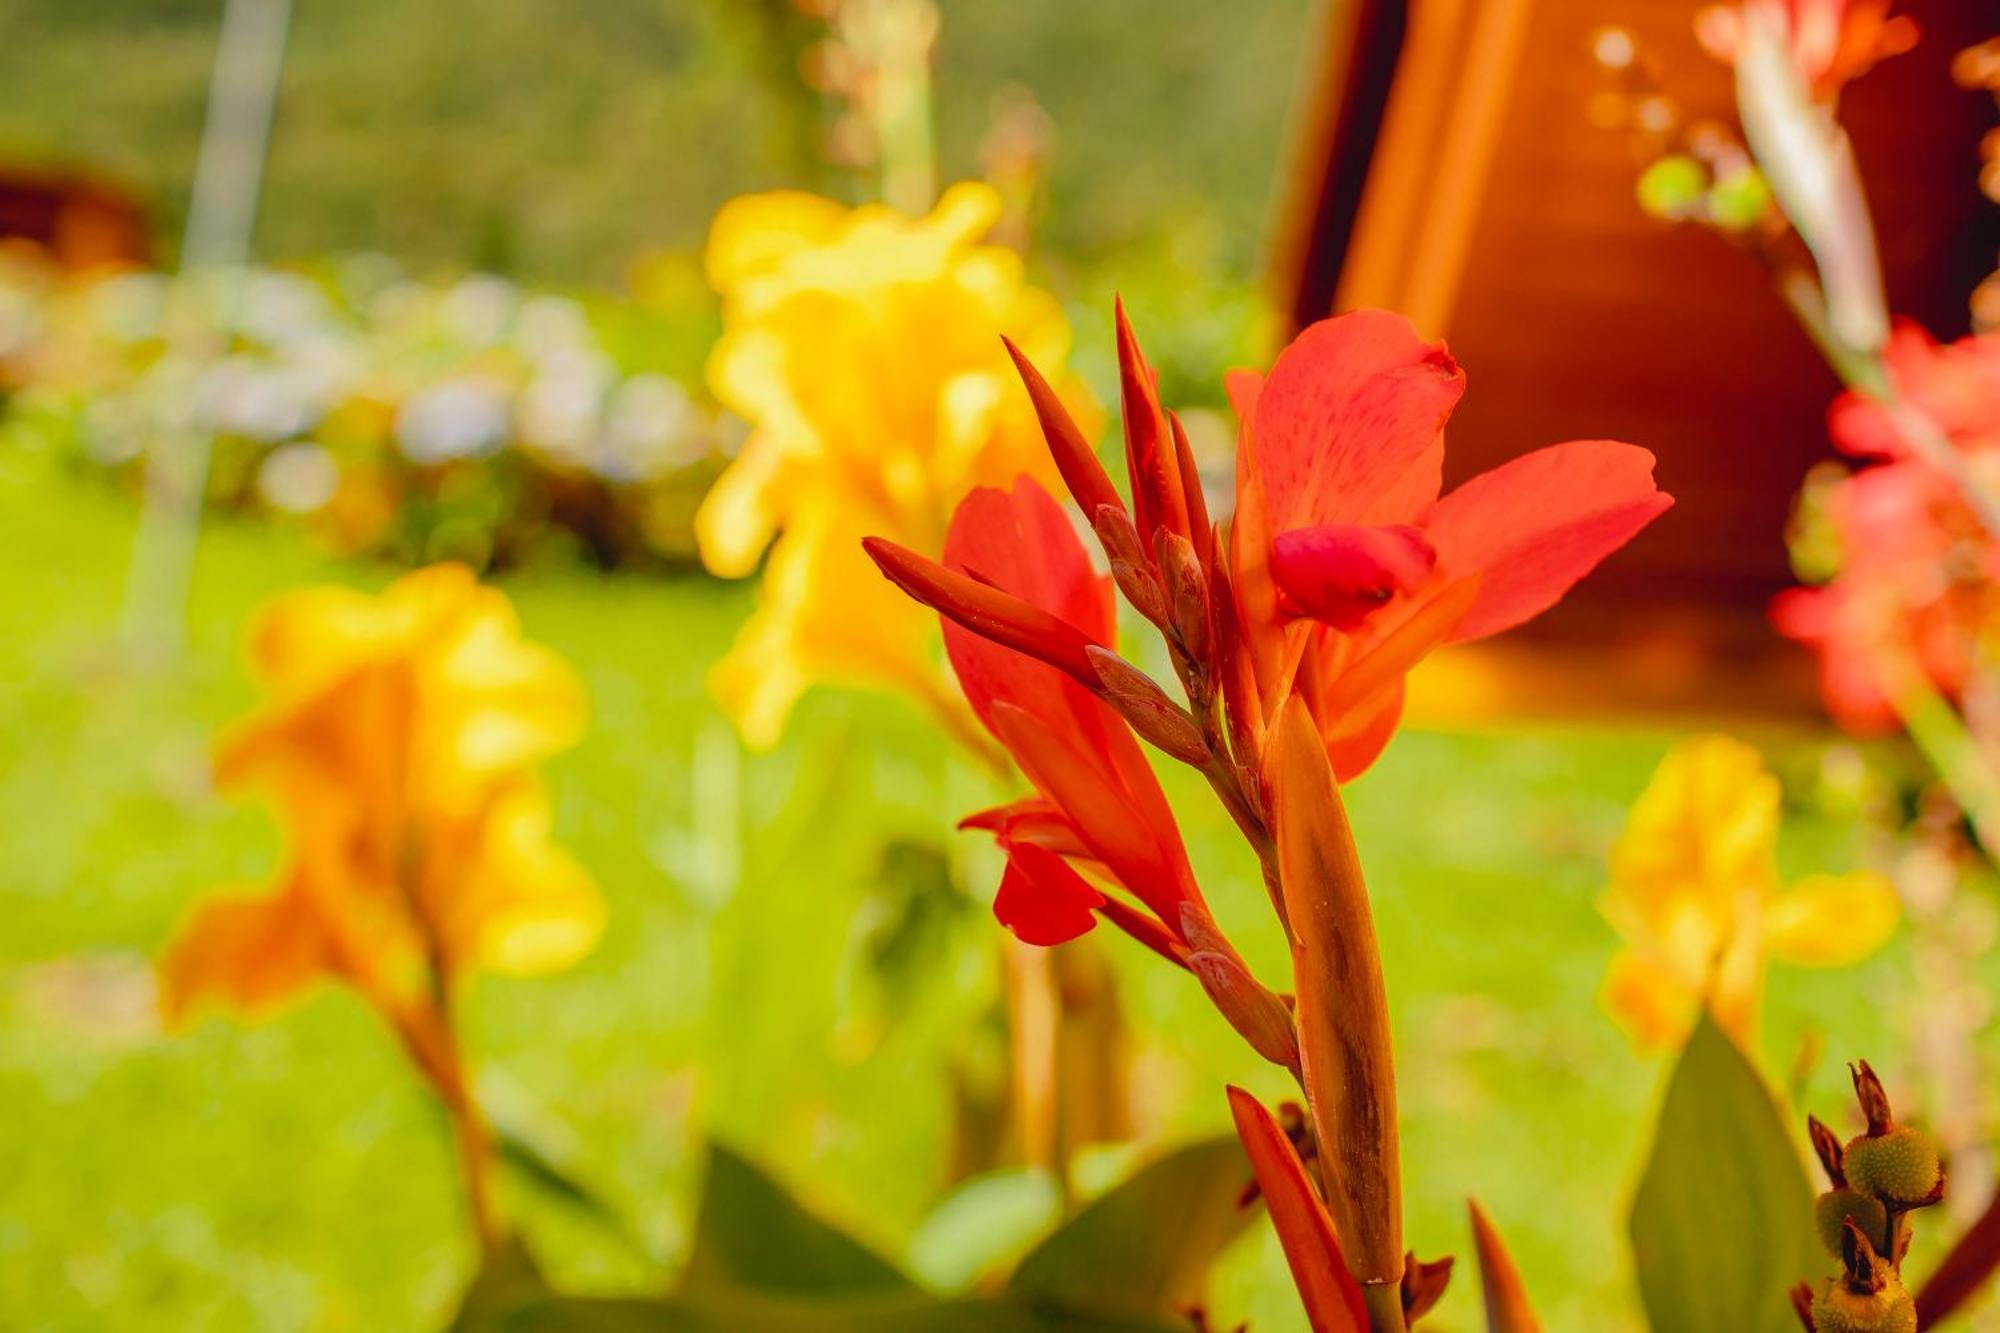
{"x": 1876, "y": 1180}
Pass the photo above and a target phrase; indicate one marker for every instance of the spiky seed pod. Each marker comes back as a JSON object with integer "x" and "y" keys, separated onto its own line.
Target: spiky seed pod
{"x": 1899, "y": 1166}
{"x": 1838, "y": 1309}
{"x": 1867, "y": 1296}
{"x": 1835, "y": 1208}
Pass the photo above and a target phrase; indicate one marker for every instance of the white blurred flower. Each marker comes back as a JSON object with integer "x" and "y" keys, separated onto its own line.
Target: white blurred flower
{"x": 458, "y": 418}
{"x": 478, "y": 308}
{"x": 560, "y": 408}
{"x": 128, "y": 306}
{"x": 298, "y": 478}
{"x": 279, "y": 307}
{"x": 651, "y": 427}
{"x": 242, "y": 395}
{"x": 549, "y": 325}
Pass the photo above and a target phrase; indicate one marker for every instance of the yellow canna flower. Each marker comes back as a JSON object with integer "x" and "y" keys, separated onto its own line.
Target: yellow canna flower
{"x": 863, "y": 347}
{"x": 398, "y": 743}
{"x": 1695, "y": 892}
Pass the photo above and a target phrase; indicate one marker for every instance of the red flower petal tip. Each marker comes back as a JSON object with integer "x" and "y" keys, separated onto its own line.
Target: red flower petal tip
{"x": 1041, "y": 899}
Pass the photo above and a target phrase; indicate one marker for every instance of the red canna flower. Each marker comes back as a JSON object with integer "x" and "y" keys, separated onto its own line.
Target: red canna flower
{"x": 1340, "y": 570}
{"x": 1347, "y": 566}
{"x": 1098, "y": 807}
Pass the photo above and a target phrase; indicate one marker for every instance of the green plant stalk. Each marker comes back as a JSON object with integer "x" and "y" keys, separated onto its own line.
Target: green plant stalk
{"x": 1947, "y": 745}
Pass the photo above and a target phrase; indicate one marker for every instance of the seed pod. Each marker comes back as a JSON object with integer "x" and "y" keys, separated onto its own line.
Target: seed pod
{"x": 1837, "y": 1207}
{"x": 1866, "y": 1297}
{"x": 1140, "y": 701}
{"x": 1899, "y": 1166}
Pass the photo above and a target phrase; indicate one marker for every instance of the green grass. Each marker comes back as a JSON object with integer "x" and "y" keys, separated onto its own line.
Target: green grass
{"x": 293, "y": 1176}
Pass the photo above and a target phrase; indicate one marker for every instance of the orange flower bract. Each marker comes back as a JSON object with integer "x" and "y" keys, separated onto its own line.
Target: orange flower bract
{"x": 398, "y": 743}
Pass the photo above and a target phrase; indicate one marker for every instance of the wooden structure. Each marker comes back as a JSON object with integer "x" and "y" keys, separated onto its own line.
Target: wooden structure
{"x": 1448, "y": 167}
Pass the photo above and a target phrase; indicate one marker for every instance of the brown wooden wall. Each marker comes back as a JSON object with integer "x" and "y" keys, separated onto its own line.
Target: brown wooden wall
{"x": 1577, "y": 316}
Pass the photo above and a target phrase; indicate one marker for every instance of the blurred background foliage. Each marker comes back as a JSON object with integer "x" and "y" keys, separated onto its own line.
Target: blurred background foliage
{"x": 554, "y": 142}
{"x": 756, "y": 980}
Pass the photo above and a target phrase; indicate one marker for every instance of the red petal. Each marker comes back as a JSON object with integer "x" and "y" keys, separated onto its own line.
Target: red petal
{"x": 989, "y": 612}
{"x": 1025, "y": 544}
{"x": 1157, "y": 497}
{"x": 1352, "y": 407}
{"x": 1089, "y": 484}
{"x": 1360, "y": 739}
{"x": 1340, "y": 573}
{"x": 1132, "y": 832}
{"x": 1331, "y": 1296}
{"x": 1041, "y": 899}
{"x": 1243, "y": 386}
{"x": 1534, "y": 526}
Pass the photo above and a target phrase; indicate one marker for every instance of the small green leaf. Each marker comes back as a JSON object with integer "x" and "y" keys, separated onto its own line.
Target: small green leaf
{"x": 526, "y": 1161}
{"x": 1144, "y": 1247}
{"x": 1722, "y": 1223}
{"x": 508, "y": 1277}
{"x": 753, "y": 1236}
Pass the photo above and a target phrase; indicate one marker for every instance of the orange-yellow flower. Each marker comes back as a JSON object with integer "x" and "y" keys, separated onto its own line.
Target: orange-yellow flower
{"x": 864, "y": 348}
{"x": 398, "y": 743}
{"x": 1695, "y": 892}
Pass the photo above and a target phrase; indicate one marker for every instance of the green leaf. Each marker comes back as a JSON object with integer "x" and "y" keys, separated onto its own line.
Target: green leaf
{"x": 527, "y": 1162}
{"x": 1144, "y": 1247}
{"x": 983, "y": 1226}
{"x": 1722, "y": 1223}
{"x": 753, "y": 1236}
{"x": 508, "y": 1277}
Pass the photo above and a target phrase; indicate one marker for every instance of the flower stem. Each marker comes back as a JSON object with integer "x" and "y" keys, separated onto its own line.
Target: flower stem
{"x": 1384, "y": 1303}
{"x": 1941, "y": 735}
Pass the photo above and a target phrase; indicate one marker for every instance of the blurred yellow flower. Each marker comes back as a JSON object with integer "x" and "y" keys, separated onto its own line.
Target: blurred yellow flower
{"x": 863, "y": 347}
{"x": 398, "y": 742}
{"x": 1695, "y": 893}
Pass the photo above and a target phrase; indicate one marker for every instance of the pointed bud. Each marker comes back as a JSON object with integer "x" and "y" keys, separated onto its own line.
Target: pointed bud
{"x": 986, "y": 610}
{"x": 1157, "y": 497}
{"x": 1259, "y": 1016}
{"x": 1343, "y": 1011}
{"x": 1089, "y": 484}
{"x": 1322, "y": 1273}
{"x": 1865, "y": 1270}
{"x": 1507, "y": 1307}
{"x": 1130, "y": 569}
{"x": 1424, "y": 1285}
{"x": 1243, "y": 704}
{"x": 1197, "y": 500}
{"x": 1140, "y": 701}
{"x": 1827, "y": 1148}
{"x": 1874, "y": 1101}
{"x": 1187, "y": 594}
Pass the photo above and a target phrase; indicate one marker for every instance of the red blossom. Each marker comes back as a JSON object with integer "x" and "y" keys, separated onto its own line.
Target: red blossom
{"x": 1339, "y": 522}
{"x": 1098, "y": 800}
